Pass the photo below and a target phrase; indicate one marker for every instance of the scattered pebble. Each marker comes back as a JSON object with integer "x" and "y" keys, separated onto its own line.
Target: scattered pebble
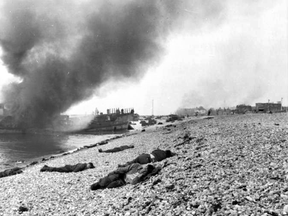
{"x": 227, "y": 157}
{"x": 285, "y": 210}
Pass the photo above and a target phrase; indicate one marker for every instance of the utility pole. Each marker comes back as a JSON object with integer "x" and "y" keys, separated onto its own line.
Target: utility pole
{"x": 153, "y": 107}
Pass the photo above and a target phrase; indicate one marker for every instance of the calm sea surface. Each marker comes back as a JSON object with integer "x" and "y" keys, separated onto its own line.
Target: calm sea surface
{"x": 19, "y": 149}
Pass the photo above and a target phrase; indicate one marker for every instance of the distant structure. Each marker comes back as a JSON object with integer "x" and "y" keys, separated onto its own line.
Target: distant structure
{"x": 118, "y": 111}
{"x": 191, "y": 111}
{"x": 115, "y": 119}
{"x": 222, "y": 111}
{"x": 268, "y": 107}
{"x": 243, "y": 108}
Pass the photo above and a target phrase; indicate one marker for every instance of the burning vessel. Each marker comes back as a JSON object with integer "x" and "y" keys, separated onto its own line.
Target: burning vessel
{"x": 114, "y": 120}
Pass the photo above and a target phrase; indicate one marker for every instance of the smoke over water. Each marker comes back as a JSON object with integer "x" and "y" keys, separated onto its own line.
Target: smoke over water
{"x": 198, "y": 52}
{"x": 63, "y": 51}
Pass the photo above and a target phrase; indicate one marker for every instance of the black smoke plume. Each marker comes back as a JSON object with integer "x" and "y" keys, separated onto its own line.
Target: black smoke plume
{"x": 64, "y": 50}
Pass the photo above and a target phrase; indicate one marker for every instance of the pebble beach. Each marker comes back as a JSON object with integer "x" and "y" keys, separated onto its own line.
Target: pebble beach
{"x": 230, "y": 165}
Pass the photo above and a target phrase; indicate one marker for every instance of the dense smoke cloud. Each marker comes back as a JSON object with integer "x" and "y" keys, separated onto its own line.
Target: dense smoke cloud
{"x": 64, "y": 50}
{"x": 198, "y": 52}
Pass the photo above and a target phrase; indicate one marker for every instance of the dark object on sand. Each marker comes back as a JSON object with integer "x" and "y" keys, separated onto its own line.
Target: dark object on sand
{"x": 68, "y": 168}
{"x": 156, "y": 155}
{"x": 130, "y": 127}
{"x": 209, "y": 112}
{"x": 33, "y": 163}
{"x": 102, "y": 142}
{"x": 156, "y": 182}
{"x": 132, "y": 174}
{"x": 208, "y": 117}
{"x": 173, "y": 117}
{"x": 170, "y": 186}
{"x": 186, "y": 139}
{"x": 22, "y": 209}
{"x": 9, "y": 172}
{"x": 169, "y": 125}
{"x": 117, "y": 149}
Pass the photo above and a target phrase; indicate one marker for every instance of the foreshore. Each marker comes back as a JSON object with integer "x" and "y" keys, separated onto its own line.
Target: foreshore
{"x": 232, "y": 165}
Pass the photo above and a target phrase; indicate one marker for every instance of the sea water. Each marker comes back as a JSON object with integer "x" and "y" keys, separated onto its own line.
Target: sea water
{"x": 18, "y": 149}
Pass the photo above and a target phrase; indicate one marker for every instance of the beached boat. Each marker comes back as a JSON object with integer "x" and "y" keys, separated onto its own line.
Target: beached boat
{"x": 7, "y": 125}
{"x": 114, "y": 120}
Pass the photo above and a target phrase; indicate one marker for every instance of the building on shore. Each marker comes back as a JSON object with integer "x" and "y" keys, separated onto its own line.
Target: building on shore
{"x": 243, "y": 108}
{"x": 268, "y": 107}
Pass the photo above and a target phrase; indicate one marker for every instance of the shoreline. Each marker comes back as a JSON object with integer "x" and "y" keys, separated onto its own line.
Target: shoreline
{"x": 27, "y": 163}
{"x": 226, "y": 155}
{"x": 93, "y": 145}
{"x": 30, "y": 162}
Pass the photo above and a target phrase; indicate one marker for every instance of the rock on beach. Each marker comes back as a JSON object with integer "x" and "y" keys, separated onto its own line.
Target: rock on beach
{"x": 227, "y": 165}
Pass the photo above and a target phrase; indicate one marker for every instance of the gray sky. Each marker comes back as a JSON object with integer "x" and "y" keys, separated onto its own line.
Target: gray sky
{"x": 217, "y": 55}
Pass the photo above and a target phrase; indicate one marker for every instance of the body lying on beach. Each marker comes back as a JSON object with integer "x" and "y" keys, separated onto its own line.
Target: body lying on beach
{"x": 156, "y": 155}
{"x": 131, "y": 174}
{"x": 133, "y": 171}
{"x": 9, "y": 172}
{"x": 68, "y": 168}
{"x": 116, "y": 149}
{"x": 230, "y": 159}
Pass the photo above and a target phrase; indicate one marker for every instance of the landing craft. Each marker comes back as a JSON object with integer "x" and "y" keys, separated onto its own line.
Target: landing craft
{"x": 114, "y": 120}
